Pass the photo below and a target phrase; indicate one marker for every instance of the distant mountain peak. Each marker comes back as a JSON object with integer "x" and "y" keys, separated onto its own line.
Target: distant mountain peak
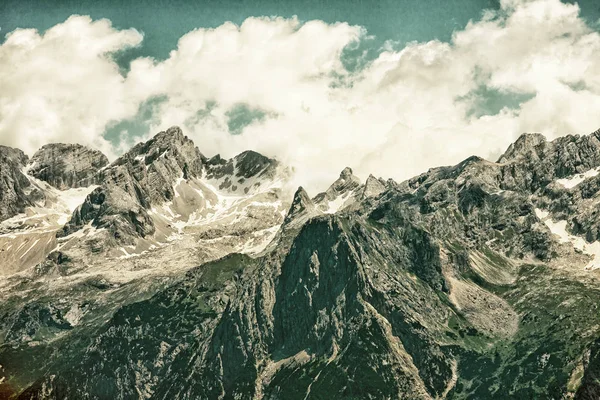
{"x": 525, "y": 145}
{"x": 340, "y": 191}
{"x": 15, "y": 189}
{"x": 373, "y": 187}
{"x": 346, "y": 173}
{"x": 250, "y": 163}
{"x": 302, "y": 206}
{"x": 67, "y": 166}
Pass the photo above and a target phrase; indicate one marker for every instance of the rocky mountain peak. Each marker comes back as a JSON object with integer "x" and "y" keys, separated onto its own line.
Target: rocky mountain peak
{"x": 67, "y": 166}
{"x": 16, "y": 192}
{"x": 302, "y": 206}
{"x": 169, "y": 174}
{"x": 216, "y": 160}
{"x": 346, "y": 173}
{"x": 346, "y": 180}
{"x": 373, "y": 187}
{"x": 171, "y": 136}
{"x": 247, "y": 172}
{"x": 532, "y": 162}
{"x": 344, "y": 184}
{"x": 250, "y": 163}
{"x": 341, "y": 192}
{"x": 526, "y": 145}
{"x": 12, "y": 156}
{"x": 143, "y": 177}
{"x": 171, "y": 144}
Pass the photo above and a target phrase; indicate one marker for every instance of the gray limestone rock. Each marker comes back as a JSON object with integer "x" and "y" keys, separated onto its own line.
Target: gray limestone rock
{"x": 66, "y": 166}
{"x": 142, "y": 177}
{"x": 344, "y": 187}
{"x": 302, "y": 207}
{"x": 243, "y": 173}
{"x": 16, "y": 191}
{"x": 373, "y": 187}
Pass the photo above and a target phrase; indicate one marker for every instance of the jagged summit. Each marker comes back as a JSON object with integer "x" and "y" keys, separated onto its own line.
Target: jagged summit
{"x": 171, "y": 144}
{"x": 244, "y": 173}
{"x": 339, "y": 191}
{"x": 13, "y": 156}
{"x": 141, "y": 178}
{"x": 346, "y": 173}
{"x": 67, "y": 166}
{"x": 250, "y": 163}
{"x": 302, "y": 206}
{"x": 566, "y": 151}
{"x": 527, "y": 145}
{"x": 16, "y": 192}
{"x": 373, "y": 187}
{"x": 150, "y": 193}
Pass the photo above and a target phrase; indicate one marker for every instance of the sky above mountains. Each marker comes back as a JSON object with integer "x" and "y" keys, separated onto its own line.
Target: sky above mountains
{"x": 385, "y": 87}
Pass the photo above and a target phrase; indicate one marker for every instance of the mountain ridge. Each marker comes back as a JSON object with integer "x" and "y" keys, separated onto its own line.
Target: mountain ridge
{"x": 466, "y": 281}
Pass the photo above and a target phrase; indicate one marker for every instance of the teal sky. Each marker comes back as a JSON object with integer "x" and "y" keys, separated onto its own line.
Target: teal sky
{"x": 164, "y": 22}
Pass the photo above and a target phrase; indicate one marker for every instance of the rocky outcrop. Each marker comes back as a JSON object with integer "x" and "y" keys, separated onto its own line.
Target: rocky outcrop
{"x": 136, "y": 181}
{"x": 532, "y": 162}
{"x": 244, "y": 173}
{"x": 16, "y": 191}
{"x": 302, "y": 207}
{"x": 340, "y": 193}
{"x": 66, "y": 166}
{"x": 346, "y": 183}
{"x": 373, "y": 187}
{"x": 147, "y": 177}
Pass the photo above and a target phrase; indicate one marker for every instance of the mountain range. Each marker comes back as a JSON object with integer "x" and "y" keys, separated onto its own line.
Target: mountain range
{"x": 167, "y": 274}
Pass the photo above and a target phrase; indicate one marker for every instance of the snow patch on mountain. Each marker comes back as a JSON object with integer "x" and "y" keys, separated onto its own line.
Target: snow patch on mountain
{"x": 559, "y": 228}
{"x": 575, "y": 180}
{"x": 336, "y": 204}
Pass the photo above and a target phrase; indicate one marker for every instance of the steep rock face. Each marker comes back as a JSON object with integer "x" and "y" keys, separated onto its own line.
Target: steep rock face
{"x": 67, "y": 166}
{"x": 143, "y": 177}
{"x": 302, "y": 207}
{"x": 532, "y": 162}
{"x": 528, "y": 145}
{"x": 590, "y": 369}
{"x": 16, "y": 191}
{"x": 157, "y": 189}
{"x": 244, "y": 173}
{"x": 344, "y": 184}
{"x": 260, "y": 325}
{"x": 348, "y": 190}
{"x": 373, "y": 187}
{"x": 340, "y": 193}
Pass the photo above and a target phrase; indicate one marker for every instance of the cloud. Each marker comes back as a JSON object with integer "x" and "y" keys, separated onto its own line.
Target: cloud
{"x": 541, "y": 48}
{"x": 280, "y": 86}
{"x": 63, "y": 86}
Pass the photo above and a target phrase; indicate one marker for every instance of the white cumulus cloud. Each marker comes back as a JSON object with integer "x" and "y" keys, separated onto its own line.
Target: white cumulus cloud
{"x": 62, "y": 86}
{"x": 280, "y": 85}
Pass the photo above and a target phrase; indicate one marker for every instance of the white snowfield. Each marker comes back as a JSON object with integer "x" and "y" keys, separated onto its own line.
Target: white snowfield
{"x": 559, "y": 228}
{"x": 199, "y": 205}
{"x": 206, "y": 216}
{"x": 336, "y": 204}
{"x": 575, "y": 180}
{"x": 27, "y": 238}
